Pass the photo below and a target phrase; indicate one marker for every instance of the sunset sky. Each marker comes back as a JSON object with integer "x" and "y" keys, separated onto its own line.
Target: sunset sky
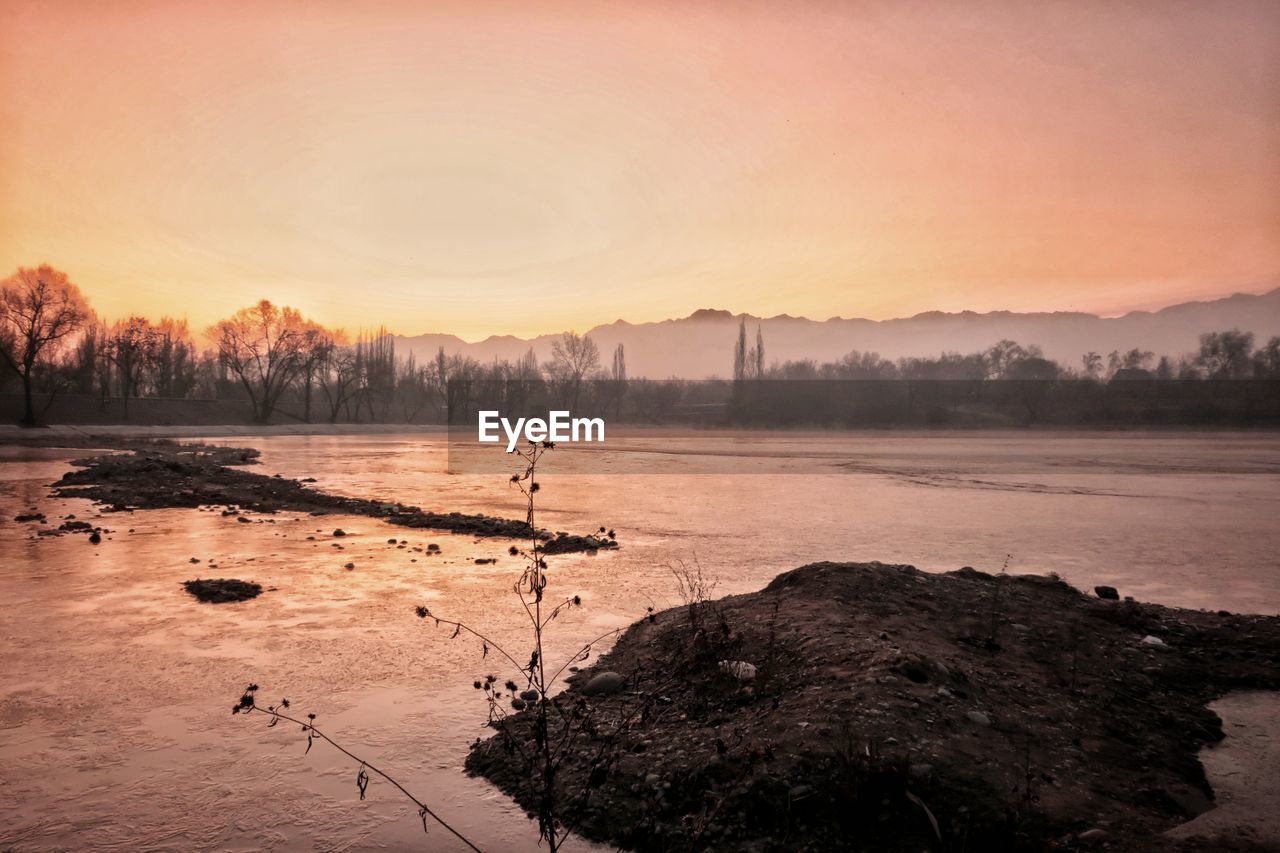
{"x": 483, "y": 168}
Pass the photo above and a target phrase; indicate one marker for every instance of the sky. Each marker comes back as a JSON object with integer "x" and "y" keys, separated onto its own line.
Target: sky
{"x": 521, "y": 168}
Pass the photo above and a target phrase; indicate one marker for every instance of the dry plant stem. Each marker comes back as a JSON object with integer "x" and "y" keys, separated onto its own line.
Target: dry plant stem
{"x": 546, "y": 756}
{"x": 424, "y": 810}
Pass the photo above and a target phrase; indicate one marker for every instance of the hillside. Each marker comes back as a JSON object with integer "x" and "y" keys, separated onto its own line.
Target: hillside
{"x": 701, "y": 345}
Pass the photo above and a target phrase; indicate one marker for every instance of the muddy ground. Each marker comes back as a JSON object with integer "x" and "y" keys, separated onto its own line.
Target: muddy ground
{"x": 161, "y": 474}
{"x": 893, "y": 709}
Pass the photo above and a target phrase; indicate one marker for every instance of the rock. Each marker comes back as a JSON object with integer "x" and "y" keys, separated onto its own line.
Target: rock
{"x": 920, "y": 771}
{"x": 349, "y": 566}
{"x": 391, "y": 541}
{"x": 1091, "y": 835}
{"x": 339, "y": 532}
{"x": 95, "y": 537}
{"x": 978, "y": 717}
{"x": 604, "y": 683}
{"x": 222, "y": 590}
{"x": 739, "y": 669}
{"x": 243, "y": 520}
{"x": 433, "y": 547}
{"x": 1152, "y": 641}
{"x": 1108, "y": 592}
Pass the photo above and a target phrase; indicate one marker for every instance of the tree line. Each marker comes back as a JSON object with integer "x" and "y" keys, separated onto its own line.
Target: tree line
{"x": 1222, "y": 355}
{"x": 52, "y": 342}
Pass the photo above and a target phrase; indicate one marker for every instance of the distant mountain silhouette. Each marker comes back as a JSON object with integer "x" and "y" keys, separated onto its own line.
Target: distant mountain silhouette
{"x": 701, "y": 345}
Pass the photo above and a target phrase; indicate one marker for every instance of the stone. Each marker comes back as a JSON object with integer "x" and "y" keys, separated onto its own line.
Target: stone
{"x": 1094, "y": 834}
{"x": 604, "y": 683}
{"x": 978, "y": 717}
{"x": 222, "y": 590}
{"x": 1108, "y": 592}
{"x": 1152, "y": 641}
{"x": 339, "y": 532}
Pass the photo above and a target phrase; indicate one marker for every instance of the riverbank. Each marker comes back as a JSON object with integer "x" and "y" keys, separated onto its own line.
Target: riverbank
{"x": 892, "y": 709}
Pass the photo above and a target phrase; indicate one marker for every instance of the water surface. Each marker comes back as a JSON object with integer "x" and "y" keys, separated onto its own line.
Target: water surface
{"x": 115, "y": 686}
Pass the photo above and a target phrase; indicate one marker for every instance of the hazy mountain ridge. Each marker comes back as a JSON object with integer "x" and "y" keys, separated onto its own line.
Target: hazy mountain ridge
{"x": 701, "y": 345}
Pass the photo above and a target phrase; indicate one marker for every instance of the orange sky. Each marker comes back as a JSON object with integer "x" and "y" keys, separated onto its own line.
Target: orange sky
{"x": 480, "y": 168}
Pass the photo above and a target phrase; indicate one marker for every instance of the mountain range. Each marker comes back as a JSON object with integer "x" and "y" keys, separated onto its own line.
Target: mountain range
{"x": 701, "y": 345}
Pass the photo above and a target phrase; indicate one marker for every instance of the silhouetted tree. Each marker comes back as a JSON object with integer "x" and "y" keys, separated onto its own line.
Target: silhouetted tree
{"x": 1225, "y": 355}
{"x": 40, "y": 309}
{"x": 619, "y": 371}
{"x": 265, "y": 348}
{"x": 1266, "y": 361}
{"x": 573, "y": 358}
{"x": 132, "y": 345}
{"x": 740, "y": 352}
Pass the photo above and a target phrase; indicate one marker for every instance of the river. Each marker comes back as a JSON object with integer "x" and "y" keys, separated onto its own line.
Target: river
{"x": 116, "y": 687}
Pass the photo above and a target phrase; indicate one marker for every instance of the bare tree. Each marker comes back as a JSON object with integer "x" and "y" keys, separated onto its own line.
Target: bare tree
{"x": 132, "y": 346}
{"x": 39, "y": 310}
{"x": 318, "y": 346}
{"x": 1091, "y": 362}
{"x": 265, "y": 347}
{"x": 174, "y": 371}
{"x": 339, "y": 377}
{"x": 573, "y": 358}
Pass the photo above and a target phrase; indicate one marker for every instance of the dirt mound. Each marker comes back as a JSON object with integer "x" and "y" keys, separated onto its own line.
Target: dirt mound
{"x": 878, "y": 707}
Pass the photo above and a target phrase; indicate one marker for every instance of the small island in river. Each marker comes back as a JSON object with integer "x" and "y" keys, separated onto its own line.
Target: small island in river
{"x": 879, "y": 707}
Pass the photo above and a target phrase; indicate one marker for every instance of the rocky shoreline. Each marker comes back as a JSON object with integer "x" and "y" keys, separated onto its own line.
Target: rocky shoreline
{"x": 157, "y": 475}
{"x": 878, "y": 707}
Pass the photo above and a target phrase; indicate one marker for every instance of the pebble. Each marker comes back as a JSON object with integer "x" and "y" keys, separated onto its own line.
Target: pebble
{"x": 979, "y": 718}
